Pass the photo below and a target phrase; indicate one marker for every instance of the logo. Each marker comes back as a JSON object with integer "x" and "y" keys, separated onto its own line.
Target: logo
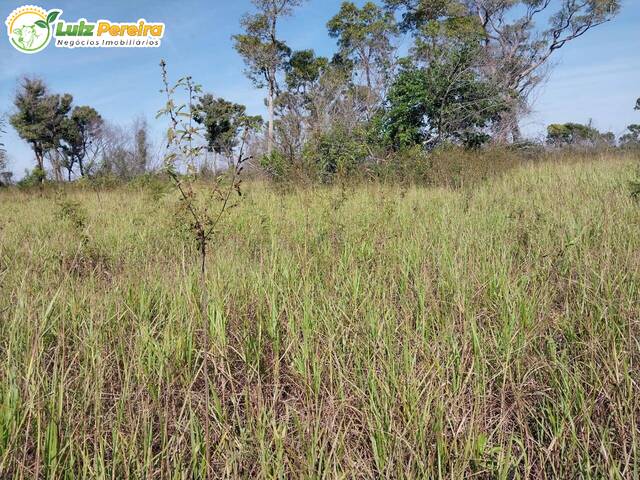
{"x": 31, "y": 28}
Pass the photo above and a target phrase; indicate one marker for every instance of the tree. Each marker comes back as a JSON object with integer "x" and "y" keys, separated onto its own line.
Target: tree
{"x": 446, "y": 101}
{"x": 264, "y": 54}
{"x": 223, "y": 121}
{"x": 78, "y": 133}
{"x": 141, "y": 144}
{"x": 632, "y": 137}
{"x": 303, "y": 70}
{"x": 516, "y": 47}
{"x": 122, "y": 150}
{"x": 302, "y": 73}
{"x": 5, "y": 175}
{"x": 203, "y": 211}
{"x": 365, "y": 37}
{"x": 577, "y": 135}
{"x": 39, "y": 116}
{"x": 2, "y": 132}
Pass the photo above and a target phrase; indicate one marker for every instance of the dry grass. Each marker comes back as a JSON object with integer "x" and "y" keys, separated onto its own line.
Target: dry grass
{"x": 366, "y": 332}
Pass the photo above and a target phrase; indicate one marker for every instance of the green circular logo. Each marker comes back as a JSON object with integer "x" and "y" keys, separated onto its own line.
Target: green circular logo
{"x": 30, "y": 28}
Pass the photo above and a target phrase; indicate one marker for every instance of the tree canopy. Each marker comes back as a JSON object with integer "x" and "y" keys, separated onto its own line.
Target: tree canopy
{"x": 222, "y": 121}
{"x": 39, "y": 116}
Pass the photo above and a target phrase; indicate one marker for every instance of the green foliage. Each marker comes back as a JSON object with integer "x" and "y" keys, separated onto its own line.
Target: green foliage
{"x": 363, "y": 33}
{"x": 264, "y": 58}
{"x": 304, "y": 69}
{"x": 445, "y": 102}
{"x": 77, "y": 133}
{"x": 32, "y": 178}
{"x": 631, "y": 139}
{"x": 516, "y": 45}
{"x": 39, "y": 116}
{"x": 276, "y": 165}
{"x": 48, "y": 124}
{"x": 403, "y": 124}
{"x": 336, "y": 152}
{"x": 223, "y": 122}
{"x": 263, "y": 53}
{"x": 415, "y": 14}
{"x": 576, "y": 134}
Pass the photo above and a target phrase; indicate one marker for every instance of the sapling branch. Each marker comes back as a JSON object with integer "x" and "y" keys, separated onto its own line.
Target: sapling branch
{"x": 184, "y": 145}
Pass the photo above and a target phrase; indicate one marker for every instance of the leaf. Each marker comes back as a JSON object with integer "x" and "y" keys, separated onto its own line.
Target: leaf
{"x": 41, "y": 24}
{"x": 52, "y": 16}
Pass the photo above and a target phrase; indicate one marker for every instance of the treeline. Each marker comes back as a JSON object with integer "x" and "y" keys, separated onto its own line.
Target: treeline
{"x": 74, "y": 141}
{"x": 465, "y": 82}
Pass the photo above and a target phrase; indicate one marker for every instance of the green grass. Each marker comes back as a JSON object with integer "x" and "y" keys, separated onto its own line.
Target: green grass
{"x": 359, "y": 332}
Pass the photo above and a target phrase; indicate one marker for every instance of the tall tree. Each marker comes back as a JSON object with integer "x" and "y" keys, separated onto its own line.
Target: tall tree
{"x": 632, "y": 136}
{"x": 303, "y": 69}
{"x": 447, "y": 101}
{"x": 517, "y": 44}
{"x": 2, "y": 132}
{"x": 223, "y": 121}
{"x": 39, "y": 116}
{"x": 78, "y": 133}
{"x": 365, "y": 37}
{"x": 142, "y": 145}
{"x": 118, "y": 152}
{"x": 5, "y": 175}
{"x": 264, "y": 54}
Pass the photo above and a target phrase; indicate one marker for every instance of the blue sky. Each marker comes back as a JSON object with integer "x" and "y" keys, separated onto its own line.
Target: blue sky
{"x": 596, "y": 77}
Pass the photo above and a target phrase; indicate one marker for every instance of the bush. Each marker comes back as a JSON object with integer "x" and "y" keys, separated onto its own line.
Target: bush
{"x": 447, "y": 166}
{"x": 33, "y": 178}
{"x": 276, "y": 165}
{"x": 336, "y": 152}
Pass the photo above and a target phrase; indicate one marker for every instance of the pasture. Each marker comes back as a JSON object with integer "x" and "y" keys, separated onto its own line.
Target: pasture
{"x": 370, "y": 331}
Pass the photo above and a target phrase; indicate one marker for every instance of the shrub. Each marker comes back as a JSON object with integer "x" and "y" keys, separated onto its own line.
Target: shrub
{"x": 336, "y": 152}
{"x": 276, "y": 165}
{"x": 33, "y": 178}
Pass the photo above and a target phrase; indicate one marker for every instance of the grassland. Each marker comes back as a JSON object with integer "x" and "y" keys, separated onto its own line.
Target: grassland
{"x": 357, "y": 332}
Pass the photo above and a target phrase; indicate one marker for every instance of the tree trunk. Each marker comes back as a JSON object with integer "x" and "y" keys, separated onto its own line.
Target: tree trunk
{"x": 40, "y": 159}
{"x": 57, "y": 167}
{"x": 506, "y": 129}
{"x": 271, "y": 119}
{"x": 516, "y": 135}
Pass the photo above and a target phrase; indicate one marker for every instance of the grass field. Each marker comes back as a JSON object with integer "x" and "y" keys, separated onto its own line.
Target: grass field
{"x": 356, "y": 332}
